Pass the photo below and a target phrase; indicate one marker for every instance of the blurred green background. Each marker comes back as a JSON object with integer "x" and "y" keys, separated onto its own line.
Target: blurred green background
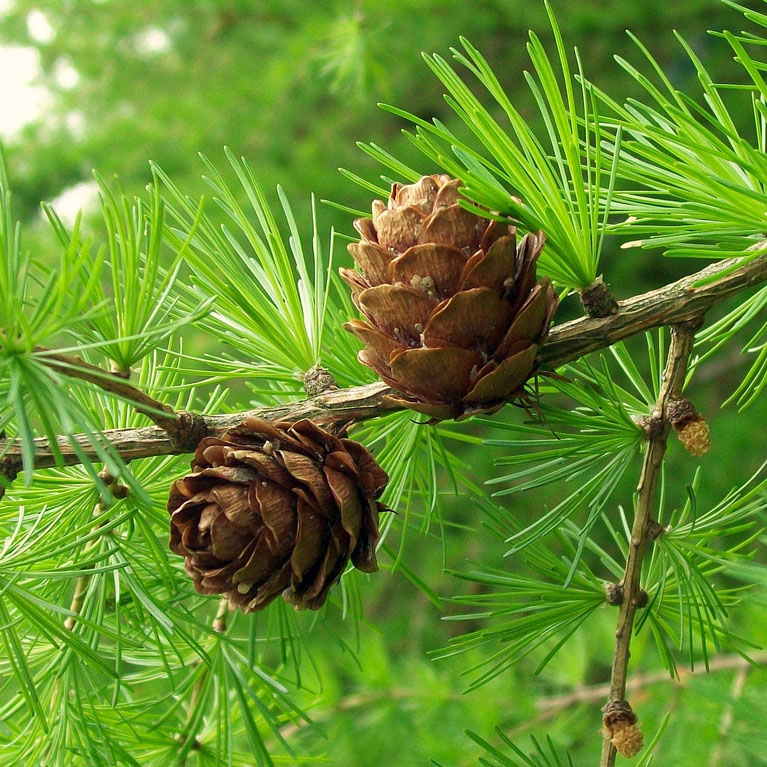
{"x": 292, "y": 85}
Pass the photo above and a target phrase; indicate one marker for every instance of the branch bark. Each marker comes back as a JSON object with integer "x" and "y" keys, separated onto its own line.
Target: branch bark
{"x": 682, "y": 338}
{"x": 179, "y": 432}
{"x": 181, "y": 427}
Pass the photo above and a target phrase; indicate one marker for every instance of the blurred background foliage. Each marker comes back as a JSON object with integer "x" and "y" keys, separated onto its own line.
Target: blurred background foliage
{"x": 292, "y": 86}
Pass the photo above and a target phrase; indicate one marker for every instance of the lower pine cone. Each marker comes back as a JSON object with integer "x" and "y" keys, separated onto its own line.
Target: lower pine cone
{"x": 276, "y": 508}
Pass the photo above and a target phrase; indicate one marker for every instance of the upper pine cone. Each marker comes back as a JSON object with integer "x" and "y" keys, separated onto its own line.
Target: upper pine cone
{"x": 454, "y": 312}
{"x": 276, "y": 508}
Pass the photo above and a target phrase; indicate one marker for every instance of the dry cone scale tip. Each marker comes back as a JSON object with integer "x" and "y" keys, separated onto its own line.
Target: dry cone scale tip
{"x": 454, "y": 314}
{"x": 276, "y": 508}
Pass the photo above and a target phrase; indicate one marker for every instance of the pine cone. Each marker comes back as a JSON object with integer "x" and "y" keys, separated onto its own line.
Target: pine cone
{"x": 276, "y": 508}
{"x": 454, "y": 313}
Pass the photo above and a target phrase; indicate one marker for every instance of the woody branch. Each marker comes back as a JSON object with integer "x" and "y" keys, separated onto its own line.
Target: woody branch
{"x": 658, "y": 425}
{"x": 178, "y": 432}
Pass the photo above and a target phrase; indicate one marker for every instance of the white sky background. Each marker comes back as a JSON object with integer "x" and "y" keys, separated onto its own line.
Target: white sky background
{"x": 20, "y": 99}
{"x": 23, "y": 99}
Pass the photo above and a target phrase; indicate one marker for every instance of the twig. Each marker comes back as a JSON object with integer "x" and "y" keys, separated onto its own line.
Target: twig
{"x": 597, "y": 692}
{"x": 682, "y": 337}
{"x": 182, "y": 427}
{"x": 673, "y": 303}
{"x": 81, "y": 585}
{"x": 728, "y": 716}
{"x": 219, "y": 625}
{"x": 343, "y": 405}
{"x": 547, "y": 707}
{"x": 219, "y": 622}
{"x": 179, "y": 426}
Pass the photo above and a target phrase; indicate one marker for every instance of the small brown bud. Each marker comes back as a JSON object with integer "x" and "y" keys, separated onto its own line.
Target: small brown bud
{"x": 317, "y": 380}
{"x": 597, "y": 300}
{"x": 106, "y": 477}
{"x": 618, "y": 714}
{"x": 655, "y": 530}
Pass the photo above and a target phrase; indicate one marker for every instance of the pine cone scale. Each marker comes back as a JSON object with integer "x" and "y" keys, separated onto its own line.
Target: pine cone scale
{"x": 348, "y": 502}
{"x": 440, "y": 263}
{"x": 492, "y": 268}
{"x": 404, "y": 311}
{"x": 445, "y": 369}
{"x": 449, "y": 299}
{"x": 374, "y": 262}
{"x": 477, "y": 317}
{"x": 503, "y": 380}
{"x": 526, "y": 325}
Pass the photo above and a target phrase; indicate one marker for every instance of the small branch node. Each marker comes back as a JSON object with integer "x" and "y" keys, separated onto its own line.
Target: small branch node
{"x": 654, "y": 530}
{"x": 613, "y": 594}
{"x": 693, "y": 324}
{"x": 653, "y": 426}
{"x": 119, "y": 372}
{"x": 317, "y": 380}
{"x": 597, "y": 300}
{"x": 187, "y": 431}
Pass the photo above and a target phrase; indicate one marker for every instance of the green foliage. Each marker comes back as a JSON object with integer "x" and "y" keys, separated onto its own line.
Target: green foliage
{"x": 536, "y": 610}
{"x": 590, "y": 443}
{"x": 220, "y": 297}
{"x": 540, "y": 757}
{"x": 141, "y": 309}
{"x": 697, "y": 179}
{"x": 557, "y": 196}
{"x": 697, "y": 579}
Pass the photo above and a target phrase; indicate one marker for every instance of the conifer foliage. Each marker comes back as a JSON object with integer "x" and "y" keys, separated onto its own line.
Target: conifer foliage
{"x": 140, "y": 622}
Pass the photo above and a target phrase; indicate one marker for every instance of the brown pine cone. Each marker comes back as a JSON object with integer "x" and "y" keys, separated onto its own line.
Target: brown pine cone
{"x": 454, "y": 313}
{"x": 275, "y": 508}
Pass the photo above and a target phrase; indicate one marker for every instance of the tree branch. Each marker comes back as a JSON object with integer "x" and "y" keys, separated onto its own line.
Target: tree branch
{"x": 181, "y": 427}
{"x": 179, "y": 432}
{"x": 547, "y": 707}
{"x": 682, "y": 337}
